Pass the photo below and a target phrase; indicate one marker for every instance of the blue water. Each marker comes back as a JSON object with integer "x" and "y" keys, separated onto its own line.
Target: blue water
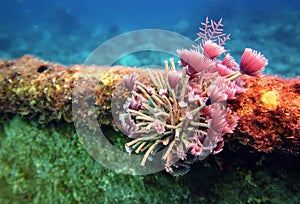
{"x": 67, "y": 31}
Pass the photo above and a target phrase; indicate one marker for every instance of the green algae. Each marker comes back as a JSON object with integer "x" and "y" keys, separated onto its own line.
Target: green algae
{"x": 49, "y": 164}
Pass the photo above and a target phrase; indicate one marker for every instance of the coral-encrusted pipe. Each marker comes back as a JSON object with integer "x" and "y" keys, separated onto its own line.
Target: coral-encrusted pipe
{"x": 269, "y": 109}
{"x": 269, "y": 113}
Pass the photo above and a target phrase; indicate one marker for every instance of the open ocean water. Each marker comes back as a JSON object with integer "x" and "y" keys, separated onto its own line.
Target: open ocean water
{"x": 67, "y": 31}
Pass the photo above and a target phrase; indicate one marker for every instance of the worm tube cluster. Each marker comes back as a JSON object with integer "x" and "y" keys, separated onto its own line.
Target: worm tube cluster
{"x": 182, "y": 114}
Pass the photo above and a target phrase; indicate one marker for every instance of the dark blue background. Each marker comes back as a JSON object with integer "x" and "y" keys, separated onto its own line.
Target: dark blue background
{"x": 67, "y": 31}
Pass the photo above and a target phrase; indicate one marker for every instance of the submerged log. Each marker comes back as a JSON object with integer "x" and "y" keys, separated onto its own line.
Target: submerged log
{"x": 269, "y": 109}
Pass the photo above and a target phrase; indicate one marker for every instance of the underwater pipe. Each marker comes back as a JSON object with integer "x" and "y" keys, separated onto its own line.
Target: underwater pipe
{"x": 269, "y": 109}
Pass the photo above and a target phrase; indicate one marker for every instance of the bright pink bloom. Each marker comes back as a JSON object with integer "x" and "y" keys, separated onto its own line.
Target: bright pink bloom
{"x": 229, "y": 62}
{"x": 223, "y": 70}
{"x": 173, "y": 78}
{"x": 192, "y": 97}
{"x": 195, "y": 87}
{"x": 150, "y": 90}
{"x": 129, "y": 81}
{"x": 231, "y": 122}
{"x": 212, "y": 50}
{"x": 252, "y": 62}
{"x": 218, "y": 119}
{"x": 196, "y": 147}
{"x": 207, "y": 110}
{"x": 239, "y": 86}
{"x": 195, "y": 61}
{"x": 229, "y": 87}
{"x": 216, "y": 95}
{"x": 135, "y": 102}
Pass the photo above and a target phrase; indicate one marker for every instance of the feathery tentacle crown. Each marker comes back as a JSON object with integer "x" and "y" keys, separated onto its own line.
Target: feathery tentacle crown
{"x": 182, "y": 113}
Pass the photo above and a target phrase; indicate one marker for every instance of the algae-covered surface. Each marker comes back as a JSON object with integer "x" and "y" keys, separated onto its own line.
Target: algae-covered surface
{"x": 48, "y": 164}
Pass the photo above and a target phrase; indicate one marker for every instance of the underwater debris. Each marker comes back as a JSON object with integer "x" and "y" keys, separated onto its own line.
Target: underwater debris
{"x": 162, "y": 106}
{"x": 43, "y": 91}
{"x": 183, "y": 112}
